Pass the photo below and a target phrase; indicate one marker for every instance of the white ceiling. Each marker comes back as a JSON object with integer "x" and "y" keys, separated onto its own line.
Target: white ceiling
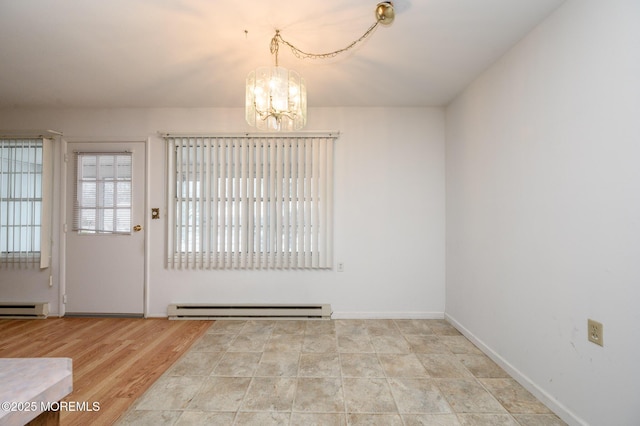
{"x": 196, "y": 53}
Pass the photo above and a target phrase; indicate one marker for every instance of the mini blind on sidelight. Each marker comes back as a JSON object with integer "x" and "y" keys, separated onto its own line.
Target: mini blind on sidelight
{"x": 250, "y": 202}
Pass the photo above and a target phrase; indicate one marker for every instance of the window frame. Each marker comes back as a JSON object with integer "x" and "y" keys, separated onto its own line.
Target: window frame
{"x": 265, "y": 159}
{"x": 99, "y": 206}
{"x": 36, "y": 251}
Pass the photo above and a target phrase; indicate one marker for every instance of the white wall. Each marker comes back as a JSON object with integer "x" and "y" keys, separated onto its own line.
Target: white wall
{"x": 543, "y": 210}
{"x": 389, "y": 210}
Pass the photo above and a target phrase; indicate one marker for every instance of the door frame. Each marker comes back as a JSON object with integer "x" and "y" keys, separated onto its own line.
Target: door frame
{"x": 65, "y": 163}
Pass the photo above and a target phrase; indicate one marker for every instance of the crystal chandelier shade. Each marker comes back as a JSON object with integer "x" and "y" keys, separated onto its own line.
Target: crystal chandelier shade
{"x": 276, "y": 99}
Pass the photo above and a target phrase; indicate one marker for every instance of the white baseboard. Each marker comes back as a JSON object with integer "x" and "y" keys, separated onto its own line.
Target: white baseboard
{"x": 554, "y": 405}
{"x": 361, "y": 315}
{"x": 387, "y": 315}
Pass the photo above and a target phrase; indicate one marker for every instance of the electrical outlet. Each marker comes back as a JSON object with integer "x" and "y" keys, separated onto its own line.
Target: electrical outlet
{"x": 594, "y": 329}
{"x": 340, "y": 267}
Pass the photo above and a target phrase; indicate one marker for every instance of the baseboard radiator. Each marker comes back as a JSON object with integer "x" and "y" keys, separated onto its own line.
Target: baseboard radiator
{"x": 17, "y": 310}
{"x": 247, "y": 311}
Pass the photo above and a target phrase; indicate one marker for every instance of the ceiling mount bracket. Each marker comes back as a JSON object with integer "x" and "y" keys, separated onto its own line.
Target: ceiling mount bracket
{"x": 385, "y": 13}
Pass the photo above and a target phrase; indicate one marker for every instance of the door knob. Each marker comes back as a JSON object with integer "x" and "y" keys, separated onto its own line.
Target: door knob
{"x": 137, "y": 228}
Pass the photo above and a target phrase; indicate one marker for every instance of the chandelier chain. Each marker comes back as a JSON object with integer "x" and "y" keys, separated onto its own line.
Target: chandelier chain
{"x": 276, "y": 98}
{"x": 301, "y": 54}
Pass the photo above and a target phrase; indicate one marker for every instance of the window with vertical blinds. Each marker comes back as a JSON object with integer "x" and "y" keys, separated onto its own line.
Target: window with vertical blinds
{"x": 250, "y": 202}
{"x": 25, "y": 202}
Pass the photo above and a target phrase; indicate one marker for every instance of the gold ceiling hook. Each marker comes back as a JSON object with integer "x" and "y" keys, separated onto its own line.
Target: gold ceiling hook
{"x": 385, "y": 13}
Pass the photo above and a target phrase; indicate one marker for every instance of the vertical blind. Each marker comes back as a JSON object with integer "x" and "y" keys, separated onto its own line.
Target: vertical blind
{"x": 250, "y": 202}
{"x": 25, "y": 202}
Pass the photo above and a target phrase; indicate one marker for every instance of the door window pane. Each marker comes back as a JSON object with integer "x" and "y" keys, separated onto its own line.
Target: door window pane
{"x": 103, "y": 193}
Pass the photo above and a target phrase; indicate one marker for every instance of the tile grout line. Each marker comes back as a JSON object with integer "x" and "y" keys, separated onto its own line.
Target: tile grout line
{"x": 253, "y": 375}
{"x": 475, "y": 380}
{"x": 342, "y": 384}
{"x": 204, "y": 381}
{"x": 223, "y": 354}
{"x": 386, "y": 375}
{"x": 437, "y": 386}
{"x": 237, "y": 413}
{"x": 295, "y": 386}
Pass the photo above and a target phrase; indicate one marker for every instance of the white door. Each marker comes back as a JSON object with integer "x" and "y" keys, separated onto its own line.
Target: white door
{"x": 105, "y": 236}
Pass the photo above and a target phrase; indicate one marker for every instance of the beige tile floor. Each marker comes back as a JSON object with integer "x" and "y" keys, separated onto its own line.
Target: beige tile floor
{"x": 339, "y": 372}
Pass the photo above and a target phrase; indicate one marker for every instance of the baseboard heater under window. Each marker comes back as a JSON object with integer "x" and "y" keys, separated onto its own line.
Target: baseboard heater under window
{"x": 248, "y": 311}
{"x": 18, "y": 310}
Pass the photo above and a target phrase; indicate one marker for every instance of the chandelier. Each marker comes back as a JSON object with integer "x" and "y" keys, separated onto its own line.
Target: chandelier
{"x": 276, "y": 98}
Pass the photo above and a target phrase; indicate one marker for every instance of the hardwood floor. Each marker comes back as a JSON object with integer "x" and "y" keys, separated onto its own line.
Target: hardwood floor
{"x": 114, "y": 359}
